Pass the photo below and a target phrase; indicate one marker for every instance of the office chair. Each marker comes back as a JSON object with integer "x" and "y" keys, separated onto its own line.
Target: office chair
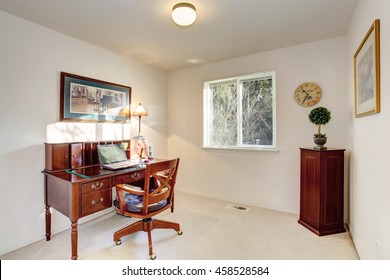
{"x": 144, "y": 203}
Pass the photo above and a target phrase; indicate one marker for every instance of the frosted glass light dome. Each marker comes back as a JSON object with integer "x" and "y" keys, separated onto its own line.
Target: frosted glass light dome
{"x": 184, "y": 14}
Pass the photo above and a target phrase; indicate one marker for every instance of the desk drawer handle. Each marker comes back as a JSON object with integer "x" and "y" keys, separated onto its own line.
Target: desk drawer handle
{"x": 134, "y": 176}
{"x": 98, "y": 186}
{"x": 94, "y": 203}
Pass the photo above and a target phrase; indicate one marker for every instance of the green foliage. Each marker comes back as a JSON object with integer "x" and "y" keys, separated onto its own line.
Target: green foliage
{"x": 320, "y": 116}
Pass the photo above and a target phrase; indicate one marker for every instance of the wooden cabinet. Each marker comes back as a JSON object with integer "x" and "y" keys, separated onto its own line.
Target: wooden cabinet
{"x": 322, "y": 191}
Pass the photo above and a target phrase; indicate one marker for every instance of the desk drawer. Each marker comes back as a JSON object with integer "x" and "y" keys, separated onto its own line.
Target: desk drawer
{"x": 128, "y": 177}
{"x": 96, "y": 201}
{"x": 96, "y": 185}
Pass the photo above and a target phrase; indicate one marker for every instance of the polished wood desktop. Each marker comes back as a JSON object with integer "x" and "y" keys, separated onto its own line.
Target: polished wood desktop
{"x": 76, "y": 185}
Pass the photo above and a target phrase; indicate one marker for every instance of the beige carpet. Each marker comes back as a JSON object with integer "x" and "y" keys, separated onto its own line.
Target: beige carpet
{"x": 210, "y": 232}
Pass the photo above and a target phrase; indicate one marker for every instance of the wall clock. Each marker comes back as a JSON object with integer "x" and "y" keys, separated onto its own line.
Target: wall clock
{"x": 308, "y": 94}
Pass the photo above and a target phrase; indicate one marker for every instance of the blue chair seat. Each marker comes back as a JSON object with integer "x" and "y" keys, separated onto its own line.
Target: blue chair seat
{"x": 134, "y": 203}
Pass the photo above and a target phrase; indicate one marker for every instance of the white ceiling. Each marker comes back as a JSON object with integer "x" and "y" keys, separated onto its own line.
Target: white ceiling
{"x": 144, "y": 31}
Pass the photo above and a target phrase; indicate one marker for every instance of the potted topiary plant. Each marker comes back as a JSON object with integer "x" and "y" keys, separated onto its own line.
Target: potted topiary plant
{"x": 320, "y": 116}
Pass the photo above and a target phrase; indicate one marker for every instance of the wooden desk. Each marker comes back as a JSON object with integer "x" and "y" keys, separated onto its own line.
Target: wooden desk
{"x": 78, "y": 190}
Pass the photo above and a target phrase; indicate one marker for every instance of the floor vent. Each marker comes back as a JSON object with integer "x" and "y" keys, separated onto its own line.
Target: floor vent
{"x": 236, "y": 207}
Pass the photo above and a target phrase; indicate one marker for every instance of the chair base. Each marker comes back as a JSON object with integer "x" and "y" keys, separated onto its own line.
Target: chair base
{"x": 146, "y": 225}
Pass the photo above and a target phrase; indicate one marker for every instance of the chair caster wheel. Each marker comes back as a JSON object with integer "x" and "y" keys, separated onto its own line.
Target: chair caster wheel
{"x": 153, "y": 256}
{"x": 118, "y": 242}
{"x": 179, "y": 232}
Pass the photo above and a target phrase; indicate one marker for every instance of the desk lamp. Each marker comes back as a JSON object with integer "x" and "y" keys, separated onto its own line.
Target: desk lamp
{"x": 140, "y": 112}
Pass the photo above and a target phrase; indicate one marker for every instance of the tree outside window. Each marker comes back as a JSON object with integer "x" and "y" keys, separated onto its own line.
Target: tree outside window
{"x": 240, "y": 112}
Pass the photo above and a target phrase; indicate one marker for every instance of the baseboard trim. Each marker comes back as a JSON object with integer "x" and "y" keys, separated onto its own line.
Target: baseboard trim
{"x": 55, "y": 231}
{"x": 226, "y": 199}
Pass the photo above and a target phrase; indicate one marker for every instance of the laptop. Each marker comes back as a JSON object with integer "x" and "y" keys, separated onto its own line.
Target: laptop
{"x": 113, "y": 157}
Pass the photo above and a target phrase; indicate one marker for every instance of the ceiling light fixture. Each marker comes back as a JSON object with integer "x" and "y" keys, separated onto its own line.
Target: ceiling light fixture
{"x": 184, "y": 14}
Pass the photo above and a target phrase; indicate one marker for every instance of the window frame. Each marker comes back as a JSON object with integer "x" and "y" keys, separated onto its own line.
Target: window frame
{"x": 207, "y": 110}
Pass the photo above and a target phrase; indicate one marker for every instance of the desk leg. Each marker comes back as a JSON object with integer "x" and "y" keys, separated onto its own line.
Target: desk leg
{"x": 74, "y": 238}
{"x": 48, "y": 222}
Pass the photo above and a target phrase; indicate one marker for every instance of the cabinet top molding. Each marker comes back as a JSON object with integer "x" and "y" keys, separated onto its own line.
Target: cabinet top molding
{"x": 327, "y": 150}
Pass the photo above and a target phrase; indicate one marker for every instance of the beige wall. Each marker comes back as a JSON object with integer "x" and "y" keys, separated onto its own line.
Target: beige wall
{"x": 368, "y": 140}
{"x": 31, "y": 59}
{"x": 269, "y": 180}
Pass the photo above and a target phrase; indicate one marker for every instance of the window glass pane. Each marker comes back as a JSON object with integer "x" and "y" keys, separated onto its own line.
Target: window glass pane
{"x": 224, "y": 114}
{"x": 257, "y": 127}
{"x": 240, "y": 112}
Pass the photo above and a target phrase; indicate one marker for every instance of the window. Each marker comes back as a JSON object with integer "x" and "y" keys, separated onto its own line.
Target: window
{"x": 240, "y": 112}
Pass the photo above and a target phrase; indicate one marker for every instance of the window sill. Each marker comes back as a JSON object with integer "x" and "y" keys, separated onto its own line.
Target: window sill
{"x": 247, "y": 149}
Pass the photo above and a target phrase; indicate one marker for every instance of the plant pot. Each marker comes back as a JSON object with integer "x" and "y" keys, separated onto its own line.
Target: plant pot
{"x": 320, "y": 141}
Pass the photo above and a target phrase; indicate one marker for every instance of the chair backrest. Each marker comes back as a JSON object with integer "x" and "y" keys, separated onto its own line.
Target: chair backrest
{"x": 161, "y": 185}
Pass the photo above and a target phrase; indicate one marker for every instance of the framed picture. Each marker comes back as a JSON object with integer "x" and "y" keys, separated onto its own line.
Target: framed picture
{"x": 367, "y": 73}
{"x": 91, "y": 100}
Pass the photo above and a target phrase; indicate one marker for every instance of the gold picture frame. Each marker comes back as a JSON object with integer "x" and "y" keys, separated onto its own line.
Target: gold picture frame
{"x": 367, "y": 73}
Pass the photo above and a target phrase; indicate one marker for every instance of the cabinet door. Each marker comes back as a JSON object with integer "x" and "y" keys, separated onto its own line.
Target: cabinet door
{"x": 59, "y": 156}
{"x": 310, "y": 188}
{"x": 333, "y": 191}
{"x": 76, "y": 155}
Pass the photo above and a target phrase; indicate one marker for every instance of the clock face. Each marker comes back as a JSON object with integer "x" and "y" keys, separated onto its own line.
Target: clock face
{"x": 308, "y": 94}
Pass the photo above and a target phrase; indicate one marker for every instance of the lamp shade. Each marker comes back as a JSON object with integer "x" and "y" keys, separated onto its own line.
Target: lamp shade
{"x": 184, "y": 14}
{"x": 140, "y": 111}
{"x": 124, "y": 112}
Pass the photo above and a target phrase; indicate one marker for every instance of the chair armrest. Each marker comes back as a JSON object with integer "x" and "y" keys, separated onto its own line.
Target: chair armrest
{"x": 130, "y": 189}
